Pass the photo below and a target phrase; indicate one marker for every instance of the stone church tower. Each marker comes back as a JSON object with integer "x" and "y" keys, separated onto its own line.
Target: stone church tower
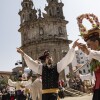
{"x": 43, "y": 33}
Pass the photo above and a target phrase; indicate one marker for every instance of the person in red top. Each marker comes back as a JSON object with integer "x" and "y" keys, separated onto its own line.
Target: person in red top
{"x": 92, "y": 49}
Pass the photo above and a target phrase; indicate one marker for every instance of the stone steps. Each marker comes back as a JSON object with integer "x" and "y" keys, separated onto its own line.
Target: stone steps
{"x": 73, "y": 92}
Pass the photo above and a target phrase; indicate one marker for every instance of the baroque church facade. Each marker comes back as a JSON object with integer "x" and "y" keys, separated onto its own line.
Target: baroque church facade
{"x": 43, "y": 31}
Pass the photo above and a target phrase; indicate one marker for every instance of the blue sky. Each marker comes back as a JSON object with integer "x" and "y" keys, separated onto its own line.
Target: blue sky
{"x": 10, "y": 21}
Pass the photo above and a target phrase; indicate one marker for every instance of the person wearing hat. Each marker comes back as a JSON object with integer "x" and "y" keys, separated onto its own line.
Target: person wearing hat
{"x": 19, "y": 85}
{"x": 92, "y": 48}
{"x": 49, "y": 72}
{"x": 42, "y": 58}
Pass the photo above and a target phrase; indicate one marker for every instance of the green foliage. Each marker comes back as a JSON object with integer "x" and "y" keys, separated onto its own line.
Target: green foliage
{"x": 94, "y": 64}
{"x": 70, "y": 75}
{"x": 3, "y": 82}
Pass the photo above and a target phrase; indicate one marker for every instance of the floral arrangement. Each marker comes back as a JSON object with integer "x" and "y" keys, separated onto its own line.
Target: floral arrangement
{"x": 92, "y": 19}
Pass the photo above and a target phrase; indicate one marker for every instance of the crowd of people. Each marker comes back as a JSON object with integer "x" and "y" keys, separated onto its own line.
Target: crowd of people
{"x": 36, "y": 87}
{"x": 77, "y": 84}
{"x": 6, "y": 94}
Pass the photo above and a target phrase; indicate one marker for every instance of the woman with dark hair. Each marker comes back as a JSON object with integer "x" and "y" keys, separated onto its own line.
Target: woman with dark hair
{"x": 92, "y": 49}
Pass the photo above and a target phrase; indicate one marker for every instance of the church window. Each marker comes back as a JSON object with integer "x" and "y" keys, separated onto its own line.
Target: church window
{"x": 26, "y": 5}
{"x": 84, "y": 71}
{"x": 53, "y": 11}
{"x": 87, "y": 65}
{"x": 58, "y": 10}
{"x": 30, "y": 5}
{"x": 88, "y": 70}
{"x": 30, "y": 16}
{"x": 80, "y": 71}
{"x": 50, "y": 13}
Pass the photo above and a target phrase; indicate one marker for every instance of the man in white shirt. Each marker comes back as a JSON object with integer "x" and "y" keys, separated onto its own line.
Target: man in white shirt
{"x": 49, "y": 72}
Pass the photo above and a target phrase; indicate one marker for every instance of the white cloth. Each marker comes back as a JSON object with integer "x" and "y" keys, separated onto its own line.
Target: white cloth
{"x": 32, "y": 64}
{"x": 18, "y": 84}
{"x": 86, "y": 77}
{"x": 94, "y": 54}
{"x": 36, "y": 89}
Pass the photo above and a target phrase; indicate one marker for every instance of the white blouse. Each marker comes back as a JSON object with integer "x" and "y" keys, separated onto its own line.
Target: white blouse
{"x": 94, "y": 54}
{"x": 18, "y": 84}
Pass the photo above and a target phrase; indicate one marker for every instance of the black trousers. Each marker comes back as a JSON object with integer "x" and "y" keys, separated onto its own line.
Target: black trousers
{"x": 21, "y": 97}
{"x": 96, "y": 94}
{"x": 50, "y": 96}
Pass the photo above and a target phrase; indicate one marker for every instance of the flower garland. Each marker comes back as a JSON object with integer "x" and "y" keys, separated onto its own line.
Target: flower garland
{"x": 92, "y": 19}
{"x": 95, "y": 64}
